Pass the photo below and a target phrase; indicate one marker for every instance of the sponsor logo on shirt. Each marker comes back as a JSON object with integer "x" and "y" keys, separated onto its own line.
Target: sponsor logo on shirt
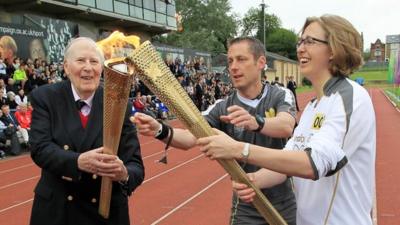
{"x": 318, "y": 121}
{"x": 270, "y": 113}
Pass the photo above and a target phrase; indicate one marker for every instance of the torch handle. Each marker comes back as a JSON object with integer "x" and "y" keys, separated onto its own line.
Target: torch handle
{"x": 105, "y": 197}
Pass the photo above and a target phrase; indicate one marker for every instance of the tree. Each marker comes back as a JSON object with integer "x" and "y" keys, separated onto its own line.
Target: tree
{"x": 278, "y": 40}
{"x": 251, "y": 23}
{"x": 207, "y": 25}
{"x": 283, "y": 42}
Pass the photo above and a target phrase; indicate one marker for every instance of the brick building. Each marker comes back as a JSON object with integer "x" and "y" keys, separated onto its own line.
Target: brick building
{"x": 377, "y": 53}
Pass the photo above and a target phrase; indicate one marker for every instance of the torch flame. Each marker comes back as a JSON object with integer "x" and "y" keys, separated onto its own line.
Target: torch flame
{"x": 116, "y": 44}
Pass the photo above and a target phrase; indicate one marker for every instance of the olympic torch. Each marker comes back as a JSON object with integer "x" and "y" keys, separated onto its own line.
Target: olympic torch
{"x": 117, "y": 86}
{"x": 151, "y": 69}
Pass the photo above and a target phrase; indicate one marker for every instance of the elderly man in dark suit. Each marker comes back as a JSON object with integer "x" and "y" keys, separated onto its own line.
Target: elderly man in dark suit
{"x": 67, "y": 141}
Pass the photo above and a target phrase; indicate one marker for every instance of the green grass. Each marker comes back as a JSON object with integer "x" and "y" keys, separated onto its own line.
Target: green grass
{"x": 394, "y": 95}
{"x": 376, "y": 78}
{"x": 303, "y": 89}
{"x": 371, "y": 76}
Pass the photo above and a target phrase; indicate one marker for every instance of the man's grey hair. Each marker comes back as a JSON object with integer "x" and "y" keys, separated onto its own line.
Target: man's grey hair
{"x": 67, "y": 51}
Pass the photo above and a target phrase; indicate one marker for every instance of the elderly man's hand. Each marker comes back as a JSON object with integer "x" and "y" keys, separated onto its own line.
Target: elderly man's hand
{"x": 96, "y": 162}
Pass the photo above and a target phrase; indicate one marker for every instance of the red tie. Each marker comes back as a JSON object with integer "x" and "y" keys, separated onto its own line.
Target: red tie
{"x": 84, "y": 119}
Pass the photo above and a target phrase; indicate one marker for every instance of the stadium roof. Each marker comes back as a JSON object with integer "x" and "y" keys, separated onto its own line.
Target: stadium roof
{"x": 73, "y": 11}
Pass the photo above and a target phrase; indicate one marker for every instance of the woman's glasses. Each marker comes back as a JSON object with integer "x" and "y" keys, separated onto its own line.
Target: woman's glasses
{"x": 308, "y": 41}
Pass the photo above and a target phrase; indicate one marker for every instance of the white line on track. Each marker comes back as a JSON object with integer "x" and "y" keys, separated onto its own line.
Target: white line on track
{"x": 189, "y": 200}
{"x": 390, "y": 100}
{"x": 154, "y": 154}
{"x": 15, "y": 168}
{"x": 157, "y": 153}
{"x": 13, "y": 206}
{"x": 18, "y": 182}
{"x": 150, "y": 179}
{"x": 28, "y": 155}
{"x": 173, "y": 168}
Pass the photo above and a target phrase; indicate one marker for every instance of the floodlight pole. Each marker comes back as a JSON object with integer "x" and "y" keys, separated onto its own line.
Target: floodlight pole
{"x": 263, "y": 32}
{"x": 263, "y": 20}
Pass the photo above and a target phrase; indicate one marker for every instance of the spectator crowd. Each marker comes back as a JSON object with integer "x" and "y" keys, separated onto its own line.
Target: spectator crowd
{"x": 19, "y": 77}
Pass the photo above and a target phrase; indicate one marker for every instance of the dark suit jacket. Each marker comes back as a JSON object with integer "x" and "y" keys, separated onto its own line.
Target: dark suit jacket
{"x": 291, "y": 85}
{"x": 64, "y": 194}
{"x": 7, "y": 121}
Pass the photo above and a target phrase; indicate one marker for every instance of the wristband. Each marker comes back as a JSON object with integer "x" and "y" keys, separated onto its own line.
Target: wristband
{"x": 164, "y": 132}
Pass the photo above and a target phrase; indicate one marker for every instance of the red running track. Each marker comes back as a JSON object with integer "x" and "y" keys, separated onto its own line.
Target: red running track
{"x": 193, "y": 190}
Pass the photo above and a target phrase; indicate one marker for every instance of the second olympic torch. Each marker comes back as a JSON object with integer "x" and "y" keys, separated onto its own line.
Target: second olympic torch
{"x": 151, "y": 69}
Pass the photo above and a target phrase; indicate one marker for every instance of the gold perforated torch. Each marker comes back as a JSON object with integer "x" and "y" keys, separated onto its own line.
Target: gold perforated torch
{"x": 151, "y": 69}
{"x": 117, "y": 85}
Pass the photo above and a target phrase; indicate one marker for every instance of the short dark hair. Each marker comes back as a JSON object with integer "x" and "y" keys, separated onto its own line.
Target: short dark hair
{"x": 255, "y": 46}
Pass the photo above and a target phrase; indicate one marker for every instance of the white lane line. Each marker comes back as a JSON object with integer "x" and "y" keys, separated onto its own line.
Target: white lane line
{"x": 151, "y": 178}
{"x": 390, "y": 100}
{"x": 154, "y": 154}
{"x": 157, "y": 153}
{"x": 173, "y": 168}
{"x": 18, "y": 182}
{"x": 13, "y": 206}
{"x": 15, "y": 168}
{"x": 189, "y": 200}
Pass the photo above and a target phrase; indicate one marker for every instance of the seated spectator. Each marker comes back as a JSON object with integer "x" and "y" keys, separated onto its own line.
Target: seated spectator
{"x": 141, "y": 105}
{"x": 160, "y": 108}
{"x": 3, "y": 72}
{"x": 21, "y": 97}
{"x": 138, "y": 102}
{"x": 3, "y": 88}
{"x": 8, "y": 134}
{"x": 12, "y": 86}
{"x": 20, "y": 76}
{"x": 11, "y": 101}
{"x": 8, "y": 119}
{"x": 24, "y": 116}
{"x": 3, "y": 100}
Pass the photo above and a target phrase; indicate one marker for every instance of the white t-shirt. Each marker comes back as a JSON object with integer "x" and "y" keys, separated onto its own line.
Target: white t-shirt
{"x": 339, "y": 134}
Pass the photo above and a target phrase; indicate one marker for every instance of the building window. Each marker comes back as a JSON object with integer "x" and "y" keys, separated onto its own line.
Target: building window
{"x": 148, "y": 4}
{"x": 161, "y": 18}
{"x": 138, "y": 12}
{"x": 171, "y": 21}
{"x": 105, "y": 5}
{"x": 149, "y": 15}
{"x": 136, "y": 2}
{"x": 121, "y": 8}
{"x": 90, "y": 3}
{"x": 161, "y": 6}
{"x": 171, "y": 10}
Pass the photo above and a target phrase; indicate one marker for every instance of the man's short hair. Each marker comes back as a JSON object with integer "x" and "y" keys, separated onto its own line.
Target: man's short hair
{"x": 67, "y": 51}
{"x": 256, "y": 48}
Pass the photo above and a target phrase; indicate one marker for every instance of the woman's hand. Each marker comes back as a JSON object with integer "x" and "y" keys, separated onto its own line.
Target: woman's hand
{"x": 146, "y": 125}
{"x": 220, "y": 146}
